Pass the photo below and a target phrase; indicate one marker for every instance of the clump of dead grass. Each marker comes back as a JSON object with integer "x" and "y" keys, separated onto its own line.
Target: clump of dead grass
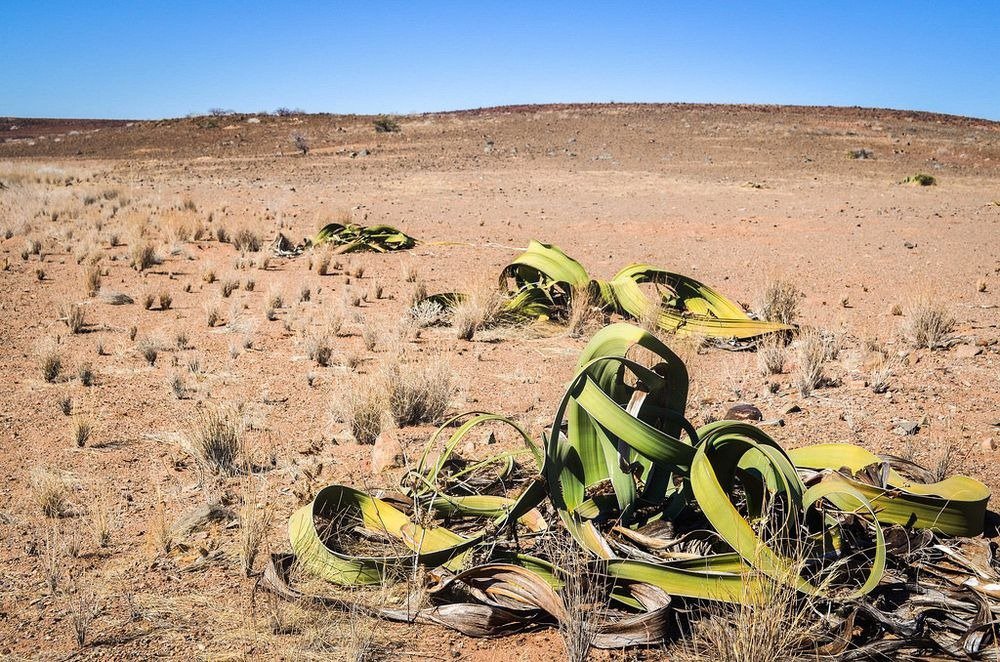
{"x": 771, "y": 355}
{"x": 478, "y": 310}
{"x": 216, "y": 441}
{"x": 812, "y": 355}
{"x": 51, "y": 491}
{"x": 928, "y": 324}
{"x": 419, "y": 391}
{"x": 779, "y": 302}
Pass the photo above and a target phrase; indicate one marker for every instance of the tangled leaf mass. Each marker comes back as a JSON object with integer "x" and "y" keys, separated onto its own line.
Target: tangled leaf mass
{"x": 667, "y": 516}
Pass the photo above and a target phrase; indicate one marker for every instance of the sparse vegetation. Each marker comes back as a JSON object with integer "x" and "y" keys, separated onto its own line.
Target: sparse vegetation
{"x": 73, "y": 317}
{"x": 779, "y": 302}
{"x": 771, "y": 356}
{"x": 215, "y": 440}
{"x": 812, "y": 355}
{"x": 920, "y": 179}
{"x": 928, "y": 324}
{"x": 92, "y": 279}
{"x": 418, "y": 392}
{"x": 246, "y": 239}
{"x": 142, "y": 255}
{"x": 51, "y": 492}
{"x": 385, "y": 124}
{"x": 82, "y": 428}
{"x": 51, "y": 364}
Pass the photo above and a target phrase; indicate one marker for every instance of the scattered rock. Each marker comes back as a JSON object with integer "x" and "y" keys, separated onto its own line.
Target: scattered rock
{"x": 987, "y": 444}
{"x": 906, "y": 428}
{"x": 776, "y": 422}
{"x": 387, "y": 453}
{"x": 909, "y": 244}
{"x": 743, "y": 412}
{"x": 794, "y": 409}
{"x": 967, "y": 351}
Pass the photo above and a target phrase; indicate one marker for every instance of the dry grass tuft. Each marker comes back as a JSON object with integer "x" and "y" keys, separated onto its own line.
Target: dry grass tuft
{"x": 256, "y": 516}
{"x": 779, "y": 302}
{"x": 928, "y": 324}
{"x": 84, "y": 607}
{"x": 365, "y": 410}
{"x": 418, "y": 392}
{"x": 479, "y": 310}
{"x": 583, "y": 594}
{"x": 73, "y": 316}
{"x": 142, "y": 255}
{"x": 246, "y": 239}
{"x": 584, "y": 313}
{"x": 82, "y": 429}
{"x": 92, "y": 279}
{"x": 51, "y": 492}
{"x": 771, "y": 355}
{"x": 215, "y": 440}
{"x": 812, "y": 354}
{"x": 51, "y": 364}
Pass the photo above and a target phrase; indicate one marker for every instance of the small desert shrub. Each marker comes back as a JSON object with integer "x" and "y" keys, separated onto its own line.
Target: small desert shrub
{"x": 305, "y": 293}
{"x": 385, "y": 124}
{"x": 40, "y": 274}
{"x": 270, "y": 313}
{"x": 323, "y": 264}
{"x": 142, "y": 255}
{"x": 410, "y": 273}
{"x": 51, "y": 363}
{"x": 246, "y": 239}
{"x": 250, "y": 285}
{"x": 377, "y": 291}
{"x": 860, "y": 154}
{"x": 301, "y": 142}
{"x": 921, "y": 179}
{"x": 73, "y": 316}
{"x": 928, "y": 324}
{"x": 221, "y": 235}
{"x": 369, "y": 335}
{"x": 181, "y": 340}
{"x": 211, "y": 316}
{"x": 881, "y": 371}
{"x": 149, "y": 351}
{"x": 82, "y": 428}
{"x": 275, "y": 300}
{"x": 148, "y": 300}
{"x": 479, "y": 310}
{"x": 216, "y": 441}
{"x": 319, "y": 349}
{"x": 132, "y": 332}
{"x": 66, "y": 405}
{"x": 427, "y": 313}
{"x": 165, "y": 300}
{"x": 51, "y": 492}
{"x": 357, "y": 270}
{"x": 92, "y": 279}
{"x": 86, "y": 374}
{"x": 178, "y": 387}
{"x": 365, "y": 410}
{"x": 771, "y": 355}
{"x": 583, "y": 594}
{"x": 229, "y": 287}
{"x": 352, "y": 298}
{"x": 418, "y": 392}
{"x": 779, "y": 302}
{"x": 208, "y": 276}
{"x": 811, "y": 357}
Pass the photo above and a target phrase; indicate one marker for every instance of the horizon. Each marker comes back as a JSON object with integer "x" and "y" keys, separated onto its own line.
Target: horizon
{"x": 72, "y": 61}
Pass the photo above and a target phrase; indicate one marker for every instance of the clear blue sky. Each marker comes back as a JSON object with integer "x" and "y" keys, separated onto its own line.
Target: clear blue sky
{"x": 146, "y": 59}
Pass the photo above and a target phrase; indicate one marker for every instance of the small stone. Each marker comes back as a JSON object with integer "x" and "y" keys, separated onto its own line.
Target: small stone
{"x": 387, "y": 453}
{"x": 987, "y": 444}
{"x": 794, "y": 409}
{"x": 967, "y": 351}
{"x": 775, "y": 422}
{"x": 743, "y": 412}
{"x": 909, "y": 244}
{"x": 907, "y": 428}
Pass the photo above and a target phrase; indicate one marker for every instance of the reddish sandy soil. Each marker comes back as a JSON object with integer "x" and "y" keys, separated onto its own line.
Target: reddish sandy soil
{"x": 733, "y": 196}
